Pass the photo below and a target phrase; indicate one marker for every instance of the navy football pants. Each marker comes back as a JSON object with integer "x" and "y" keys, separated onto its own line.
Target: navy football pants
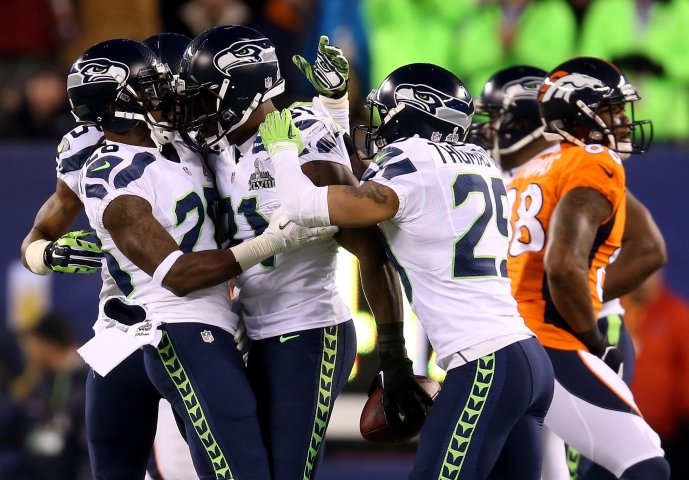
{"x": 206, "y": 384}
{"x": 489, "y": 408}
{"x": 296, "y": 378}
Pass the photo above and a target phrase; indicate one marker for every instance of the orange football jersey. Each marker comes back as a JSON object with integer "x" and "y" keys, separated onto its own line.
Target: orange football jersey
{"x": 533, "y": 195}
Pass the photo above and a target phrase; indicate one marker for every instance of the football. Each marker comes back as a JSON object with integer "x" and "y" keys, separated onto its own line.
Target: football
{"x": 373, "y": 423}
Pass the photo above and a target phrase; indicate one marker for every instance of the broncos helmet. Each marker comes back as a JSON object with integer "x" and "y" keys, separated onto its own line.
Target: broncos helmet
{"x": 419, "y": 99}
{"x": 114, "y": 84}
{"x": 574, "y": 93}
{"x": 226, "y": 73}
{"x": 509, "y": 100}
{"x": 169, "y": 48}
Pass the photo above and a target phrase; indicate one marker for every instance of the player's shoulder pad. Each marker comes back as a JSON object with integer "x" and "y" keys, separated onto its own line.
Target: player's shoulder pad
{"x": 595, "y": 154}
{"x": 319, "y": 131}
{"x": 77, "y": 146}
{"x": 117, "y": 165}
{"x": 393, "y": 160}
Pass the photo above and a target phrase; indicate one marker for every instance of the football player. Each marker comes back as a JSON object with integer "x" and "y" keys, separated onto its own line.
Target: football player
{"x": 73, "y": 253}
{"x": 514, "y": 135}
{"x": 303, "y": 339}
{"x": 443, "y": 210}
{"x": 153, "y": 218}
{"x": 568, "y": 208}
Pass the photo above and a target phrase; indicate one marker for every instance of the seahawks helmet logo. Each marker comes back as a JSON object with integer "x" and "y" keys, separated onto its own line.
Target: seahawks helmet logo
{"x": 98, "y": 70}
{"x": 428, "y": 99}
{"x": 563, "y": 87}
{"x": 525, "y": 88}
{"x": 245, "y": 52}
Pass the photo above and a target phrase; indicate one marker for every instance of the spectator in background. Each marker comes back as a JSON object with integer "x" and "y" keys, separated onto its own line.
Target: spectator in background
{"x": 93, "y": 21}
{"x": 410, "y": 31}
{"x": 14, "y": 424}
{"x": 44, "y": 111}
{"x": 57, "y": 441}
{"x": 658, "y": 321}
{"x": 499, "y": 33}
{"x": 649, "y": 42}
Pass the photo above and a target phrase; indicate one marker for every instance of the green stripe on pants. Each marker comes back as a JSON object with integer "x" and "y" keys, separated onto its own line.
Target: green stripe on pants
{"x": 468, "y": 419}
{"x": 179, "y": 377}
{"x": 324, "y": 403}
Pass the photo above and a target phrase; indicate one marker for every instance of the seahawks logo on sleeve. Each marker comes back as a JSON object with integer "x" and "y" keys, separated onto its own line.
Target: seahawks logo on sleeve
{"x": 244, "y": 52}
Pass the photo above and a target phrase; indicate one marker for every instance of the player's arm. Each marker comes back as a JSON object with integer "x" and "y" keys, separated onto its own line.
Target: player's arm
{"x": 643, "y": 252}
{"x": 143, "y": 240}
{"x": 343, "y": 205}
{"x": 402, "y": 394}
{"x": 44, "y": 251}
{"x": 573, "y": 228}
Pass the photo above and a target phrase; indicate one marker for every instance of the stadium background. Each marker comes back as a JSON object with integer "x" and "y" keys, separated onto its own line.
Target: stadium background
{"x": 473, "y": 38}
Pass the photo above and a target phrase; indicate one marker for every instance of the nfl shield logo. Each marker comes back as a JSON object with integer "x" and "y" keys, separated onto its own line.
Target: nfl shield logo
{"x": 268, "y": 81}
{"x": 436, "y": 136}
{"x": 207, "y": 336}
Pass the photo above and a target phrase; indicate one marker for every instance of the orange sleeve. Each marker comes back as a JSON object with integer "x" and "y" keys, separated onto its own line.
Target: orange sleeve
{"x": 596, "y": 167}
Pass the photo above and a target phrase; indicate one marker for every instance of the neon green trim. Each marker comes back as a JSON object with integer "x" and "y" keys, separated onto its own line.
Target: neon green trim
{"x": 324, "y": 404}
{"x": 468, "y": 419}
{"x": 179, "y": 377}
{"x": 614, "y": 328}
{"x": 573, "y": 460}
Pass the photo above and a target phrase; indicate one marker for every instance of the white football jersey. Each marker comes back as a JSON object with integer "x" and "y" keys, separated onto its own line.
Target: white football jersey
{"x": 449, "y": 243}
{"x": 293, "y": 290}
{"x": 181, "y": 193}
{"x": 75, "y": 148}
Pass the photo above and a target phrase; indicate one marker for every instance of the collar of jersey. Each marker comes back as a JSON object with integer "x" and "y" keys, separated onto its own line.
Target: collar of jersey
{"x": 245, "y": 147}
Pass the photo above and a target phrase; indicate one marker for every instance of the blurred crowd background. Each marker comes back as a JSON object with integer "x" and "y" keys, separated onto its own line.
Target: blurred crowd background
{"x": 41, "y": 376}
{"x": 647, "y": 39}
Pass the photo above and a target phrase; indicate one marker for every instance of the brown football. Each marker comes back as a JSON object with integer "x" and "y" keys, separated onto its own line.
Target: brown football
{"x": 374, "y": 425}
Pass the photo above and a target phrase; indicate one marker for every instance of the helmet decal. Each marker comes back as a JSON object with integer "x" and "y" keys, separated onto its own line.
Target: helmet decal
{"x": 562, "y": 85}
{"x": 525, "y": 88}
{"x": 98, "y": 70}
{"x": 244, "y": 52}
{"x": 439, "y": 104}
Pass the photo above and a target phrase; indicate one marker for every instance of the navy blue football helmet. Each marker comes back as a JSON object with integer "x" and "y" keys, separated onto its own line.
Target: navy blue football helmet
{"x": 225, "y": 74}
{"x": 509, "y": 100}
{"x": 169, "y": 48}
{"x": 419, "y": 99}
{"x": 114, "y": 84}
{"x": 575, "y": 93}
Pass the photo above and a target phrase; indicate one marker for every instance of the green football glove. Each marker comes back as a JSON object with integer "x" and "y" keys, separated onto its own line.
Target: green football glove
{"x": 329, "y": 75}
{"x": 278, "y": 132}
{"x": 71, "y": 254}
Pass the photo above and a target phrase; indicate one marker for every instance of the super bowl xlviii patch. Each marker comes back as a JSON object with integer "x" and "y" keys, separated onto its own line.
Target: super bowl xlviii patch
{"x": 260, "y": 178}
{"x": 207, "y": 336}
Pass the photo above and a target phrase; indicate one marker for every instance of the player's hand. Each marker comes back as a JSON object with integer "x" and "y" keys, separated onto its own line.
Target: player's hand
{"x": 278, "y": 132}
{"x": 404, "y": 400}
{"x": 612, "y": 356}
{"x": 72, "y": 254}
{"x": 293, "y": 235}
{"x": 329, "y": 75}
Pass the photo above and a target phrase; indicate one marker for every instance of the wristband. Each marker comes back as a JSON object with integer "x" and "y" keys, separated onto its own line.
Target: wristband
{"x": 35, "y": 257}
{"x": 594, "y": 340}
{"x": 338, "y": 108}
{"x": 391, "y": 341}
{"x": 165, "y": 266}
{"x": 304, "y": 202}
{"x": 251, "y": 252}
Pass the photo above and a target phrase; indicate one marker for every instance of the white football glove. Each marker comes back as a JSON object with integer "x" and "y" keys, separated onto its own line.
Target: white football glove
{"x": 294, "y": 235}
